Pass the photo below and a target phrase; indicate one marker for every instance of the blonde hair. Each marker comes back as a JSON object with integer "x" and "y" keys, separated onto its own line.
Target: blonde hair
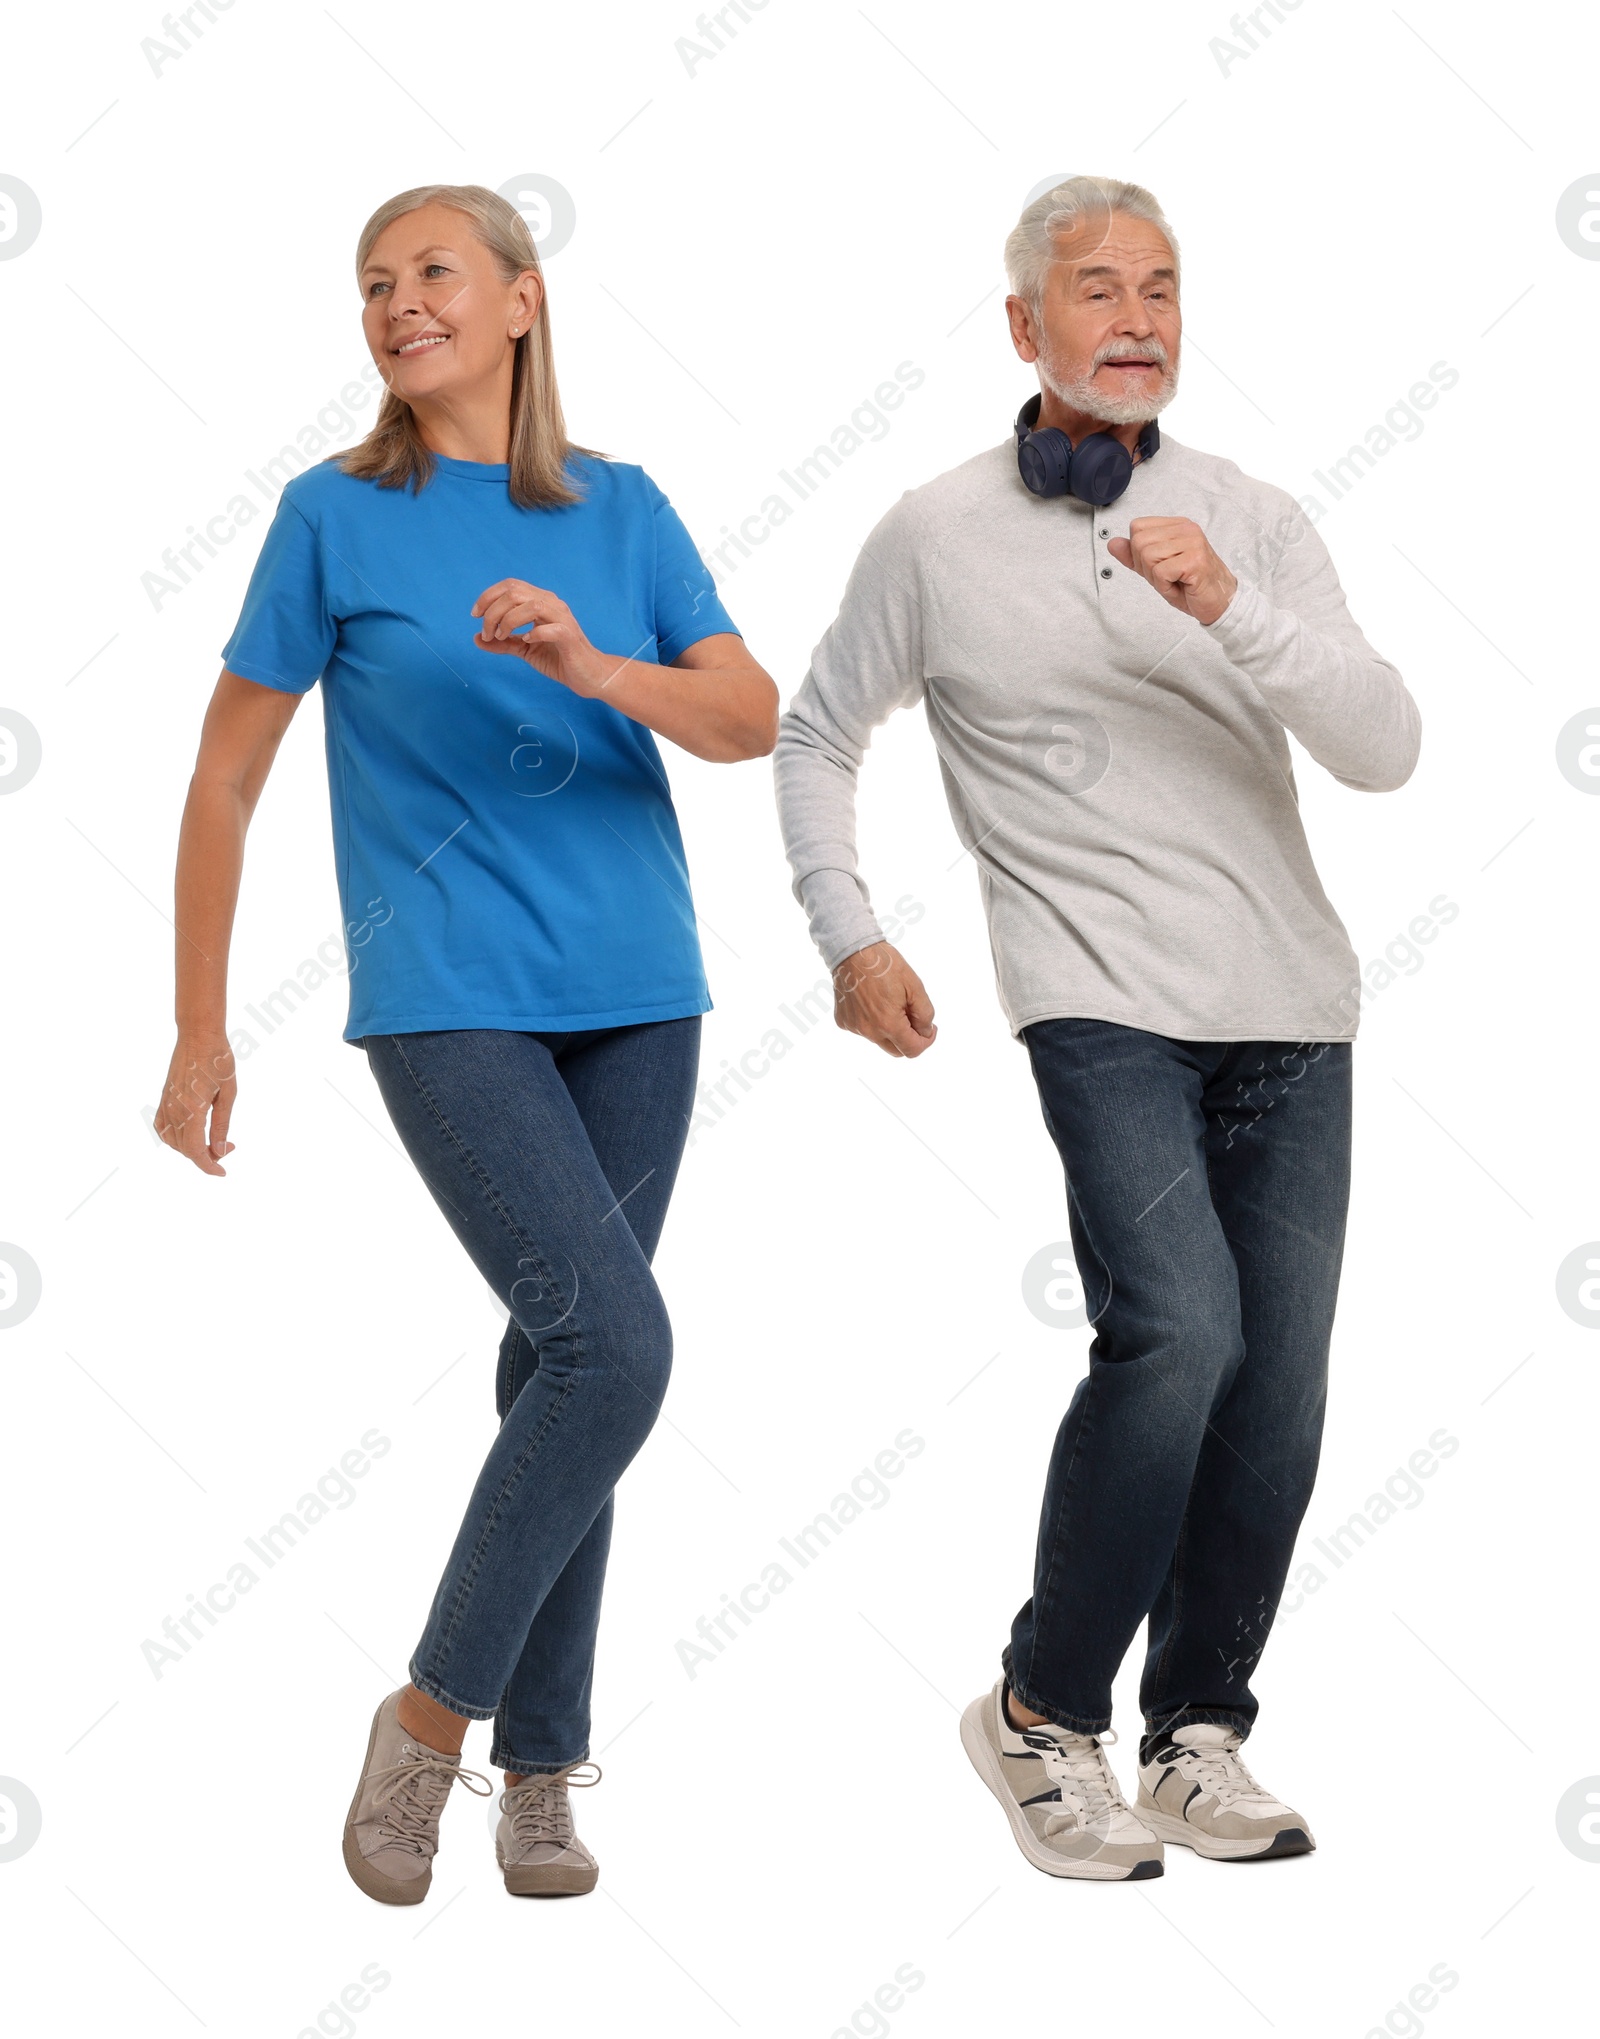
{"x": 393, "y": 454}
{"x": 1030, "y": 245}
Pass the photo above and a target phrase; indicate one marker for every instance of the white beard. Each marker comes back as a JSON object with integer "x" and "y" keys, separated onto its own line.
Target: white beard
{"x": 1082, "y": 394}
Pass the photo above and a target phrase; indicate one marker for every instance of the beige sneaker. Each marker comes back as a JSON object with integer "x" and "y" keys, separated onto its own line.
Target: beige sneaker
{"x": 392, "y": 1831}
{"x": 1194, "y": 1789}
{"x": 539, "y": 1853}
{"x": 1061, "y": 1796}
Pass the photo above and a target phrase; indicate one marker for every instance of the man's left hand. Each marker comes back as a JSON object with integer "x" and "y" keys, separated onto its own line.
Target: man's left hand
{"x": 1175, "y": 557}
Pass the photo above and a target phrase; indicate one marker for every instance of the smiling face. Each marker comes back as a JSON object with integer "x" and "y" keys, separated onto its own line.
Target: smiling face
{"x": 436, "y": 314}
{"x": 1107, "y": 333}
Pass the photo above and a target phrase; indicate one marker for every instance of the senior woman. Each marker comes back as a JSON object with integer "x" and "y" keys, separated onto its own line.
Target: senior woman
{"x": 500, "y": 620}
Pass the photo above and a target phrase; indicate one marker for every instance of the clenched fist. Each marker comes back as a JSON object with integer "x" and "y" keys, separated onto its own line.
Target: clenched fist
{"x": 878, "y": 995}
{"x": 1175, "y": 557}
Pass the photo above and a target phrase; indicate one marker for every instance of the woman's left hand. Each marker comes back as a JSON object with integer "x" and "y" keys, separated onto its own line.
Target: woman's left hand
{"x": 712, "y": 699}
{"x": 555, "y": 646}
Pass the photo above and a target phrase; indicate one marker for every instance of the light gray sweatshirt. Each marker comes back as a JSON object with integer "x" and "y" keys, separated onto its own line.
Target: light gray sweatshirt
{"x": 1118, "y": 770}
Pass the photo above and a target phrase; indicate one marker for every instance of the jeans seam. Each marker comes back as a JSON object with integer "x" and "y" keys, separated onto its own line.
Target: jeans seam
{"x": 450, "y": 1627}
{"x": 1195, "y": 1716}
{"x": 469, "y": 1160}
{"x": 501, "y": 1758}
{"x": 1177, "y": 1604}
{"x": 1157, "y": 1682}
{"x": 506, "y": 1370}
{"x": 432, "y": 1689}
{"x": 1042, "y": 1596}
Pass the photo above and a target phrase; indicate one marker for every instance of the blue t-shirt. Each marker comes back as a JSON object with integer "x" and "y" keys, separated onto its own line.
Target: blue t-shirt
{"x": 508, "y": 854}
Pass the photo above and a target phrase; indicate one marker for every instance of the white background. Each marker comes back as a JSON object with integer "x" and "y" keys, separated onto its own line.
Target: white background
{"x": 758, "y": 244}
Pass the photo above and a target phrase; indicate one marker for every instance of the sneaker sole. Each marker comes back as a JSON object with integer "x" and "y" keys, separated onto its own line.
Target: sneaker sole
{"x": 386, "y": 1889}
{"x": 1286, "y": 1841}
{"x": 986, "y": 1763}
{"x": 550, "y": 1880}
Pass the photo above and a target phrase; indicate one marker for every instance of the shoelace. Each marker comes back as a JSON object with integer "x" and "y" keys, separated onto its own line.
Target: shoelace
{"x": 538, "y": 1809}
{"x": 410, "y": 1803}
{"x": 1222, "y": 1772}
{"x": 1090, "y": 1793}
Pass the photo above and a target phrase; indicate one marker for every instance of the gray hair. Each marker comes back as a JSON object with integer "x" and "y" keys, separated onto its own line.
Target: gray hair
{"x": 1030, "y": 245}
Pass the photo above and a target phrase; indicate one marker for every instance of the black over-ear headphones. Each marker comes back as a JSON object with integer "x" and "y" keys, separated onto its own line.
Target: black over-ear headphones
{"x": 1096, "y": 470}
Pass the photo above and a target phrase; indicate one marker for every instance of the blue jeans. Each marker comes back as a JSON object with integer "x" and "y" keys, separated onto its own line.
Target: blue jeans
{"x": 553, "y": 1157}
{"x": 1207, "y": 1183}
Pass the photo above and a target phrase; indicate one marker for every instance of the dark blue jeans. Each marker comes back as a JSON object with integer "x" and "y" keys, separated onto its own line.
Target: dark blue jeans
{"x": 1207, "y": 1183}
{"x": 553, "y": 1157}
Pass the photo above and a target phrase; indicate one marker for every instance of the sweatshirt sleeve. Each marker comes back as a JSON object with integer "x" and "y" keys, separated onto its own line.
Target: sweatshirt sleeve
{"x": 868, "y": 664}
{"x": 1299, "y": 645}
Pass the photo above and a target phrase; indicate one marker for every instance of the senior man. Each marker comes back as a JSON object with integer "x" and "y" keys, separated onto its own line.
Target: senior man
{"x": 1110, "y": 634}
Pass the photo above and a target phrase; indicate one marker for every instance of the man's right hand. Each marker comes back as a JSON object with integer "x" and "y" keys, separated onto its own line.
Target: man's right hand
{"x": 878, "y": 995}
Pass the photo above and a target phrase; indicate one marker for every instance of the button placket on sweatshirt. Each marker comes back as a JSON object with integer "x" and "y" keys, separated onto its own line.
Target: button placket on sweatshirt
{"x": 1105, "y": 567}
{"x": 1111, "y": 521}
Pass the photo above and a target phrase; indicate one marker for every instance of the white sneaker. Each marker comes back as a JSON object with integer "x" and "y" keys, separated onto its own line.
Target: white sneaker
{"x": 1060, "y": 1794}
{"x": 1195, "y": 1790}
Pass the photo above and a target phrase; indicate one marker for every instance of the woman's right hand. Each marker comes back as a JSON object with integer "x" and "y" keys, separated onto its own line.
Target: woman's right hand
{"x": 200, "y": 1083}
{"x": 244, "y": 726}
